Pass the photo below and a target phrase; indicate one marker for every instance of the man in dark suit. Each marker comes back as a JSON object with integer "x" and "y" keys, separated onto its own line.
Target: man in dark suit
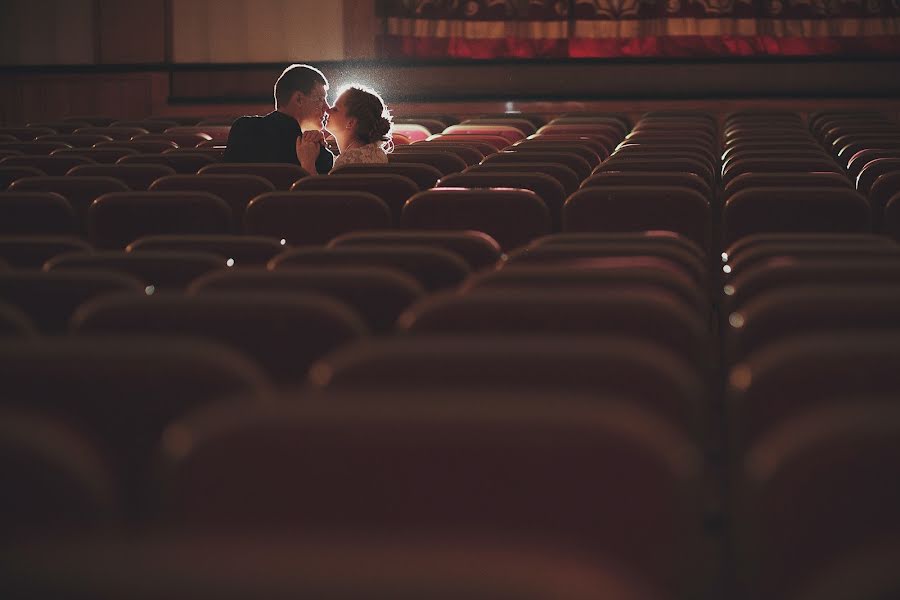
{"x": 300, "y": 103}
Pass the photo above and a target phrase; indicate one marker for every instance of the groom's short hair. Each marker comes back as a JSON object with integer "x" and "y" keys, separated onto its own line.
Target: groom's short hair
{"x": 297, "y": 78}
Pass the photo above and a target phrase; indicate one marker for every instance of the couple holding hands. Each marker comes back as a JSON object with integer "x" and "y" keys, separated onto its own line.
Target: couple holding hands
{"x": 295, "y": 131}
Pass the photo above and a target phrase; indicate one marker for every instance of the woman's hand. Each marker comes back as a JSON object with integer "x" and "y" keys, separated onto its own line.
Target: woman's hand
{"x": 308, "y": 146}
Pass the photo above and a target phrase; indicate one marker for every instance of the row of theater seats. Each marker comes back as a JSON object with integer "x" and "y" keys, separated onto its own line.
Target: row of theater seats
{"x": 608, "y": 411}
{"x": 567, "y": 165}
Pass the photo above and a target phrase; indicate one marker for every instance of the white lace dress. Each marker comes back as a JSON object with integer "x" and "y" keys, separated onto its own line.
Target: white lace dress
{"x": 368, "y": 154}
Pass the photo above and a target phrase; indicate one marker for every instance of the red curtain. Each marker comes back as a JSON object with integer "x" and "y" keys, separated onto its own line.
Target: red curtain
{"x": 483, "y": 29}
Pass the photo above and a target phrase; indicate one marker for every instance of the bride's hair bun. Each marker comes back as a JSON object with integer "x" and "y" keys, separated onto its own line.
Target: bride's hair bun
{"x": 373, "y": 120}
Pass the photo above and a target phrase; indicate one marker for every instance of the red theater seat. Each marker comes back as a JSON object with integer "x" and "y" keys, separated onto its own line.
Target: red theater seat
{"x": 26, "y": 213}
{"x": 513, "y": 217}
{"x": 284, "y": 333}
{"x": 314, "y": 217}
{"x": 434, "y": 268}
{"x": 137, "y": 177}
{"x": 301, "y": 467}
{"x": 377, "y": 294}
{"x": 394, "y": 189}
{"x": 478, "y": 249}
{"x": 280, "y": 175}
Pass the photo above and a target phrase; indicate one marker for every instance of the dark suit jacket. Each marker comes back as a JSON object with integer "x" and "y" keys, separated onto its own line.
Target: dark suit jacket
{"x": 269, "y": 139}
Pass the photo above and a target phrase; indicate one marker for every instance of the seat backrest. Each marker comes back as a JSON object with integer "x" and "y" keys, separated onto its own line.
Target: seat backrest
{"x": 32, "y": 251}
{"x": 821, "y": 179}
{"x": 789, "y": 209}
{"x": 284, "y": 333}
{"x": 564, "y": 248}
{"x": 478, "y": 249}
{"x": 610, "y": 208}
{"x": 9, "y": 174}
{"x": 873, "y": 170}
{"x": 652, "y": 178}
{"x": 578, "y": 164}
{"x": 236, "y": 190}
{"x": 122, "y": 391}
{"x": 46, "y": 213}
{"x": 470, "y": 154}
{"x": 377, "y": 294}
{"x": 314, "y": 217}
{"x": 660, "y": 318}
{"x": 435, "y": 268}
{"x": 13, "y": 321}
{"x": 51, "y": 165}
{"x": 394, "y": 189}
{"x": 445, "y": 162}
{"x": 304, "y": 466}
{"x": 793, "y": 310}
{"x": 235, "y": 250}
{"x": 79, "y": 191}
{"x": 49, "y": 299}
{"x": 142, "y": 146}
{"x": 35, "y": 147}
{"x": 513, "y": 217}
{"x": 55, "y": 481}
{"x": 818, "y": 488}
{"x": 777, "y": 273}
{"x": 119, "y": 218}
{"x": 185, "y": 163}
{"x": 425, "y": 176}
{"x": 163, "y": 270}
{"x": 549, "y": 190}
{"x": 106, "y": 155}
{"x": 563, "y": 174}
{"x": 137, "y": 177}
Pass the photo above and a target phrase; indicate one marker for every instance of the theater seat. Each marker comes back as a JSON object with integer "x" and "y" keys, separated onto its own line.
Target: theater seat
{"x": 119, "y": 218}
{"x": 623, "y": 208}
{"x": 26, "y": 213}
{"x": 377, "y": 294}
{"x": 195, "y": 567}
{"x": 184, "y": 164}
{"x": 122, "y": 391}
{"x": 137, "y": 177}
{"x": 282, "y": 333}
{"x": 13, "y": 322}
{"x": 639, "y": 313}
{"x": 513, "y": 217}
{"x": 236, "y": 190}
{"x": 80, "y": 192}
{"x": 280, "y": 175}
{"x": 546, "y": 187}
{"x": 478, "y": 249}
{"x": 639, "y": 372}
{"x": 49, "y": 299}
{"x": 55, "y": 482}
{"x": 51, "y": 165}
{"x": 394, "y": 189}
{"x": 301, "y": 467}
{"x": 32, "y": 251}
{"x": 425, "y": 176}
{"x": 241, "y": 250}
{"x": 159, "y": 271}
{"x": 761, "y": 210}
{"x": 816, "y": 490}
{"x": 434, "y": 268}
{"x": 314, "y": 217}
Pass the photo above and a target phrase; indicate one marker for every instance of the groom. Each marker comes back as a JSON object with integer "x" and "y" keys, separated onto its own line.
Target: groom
{"x": 300, "y": 106}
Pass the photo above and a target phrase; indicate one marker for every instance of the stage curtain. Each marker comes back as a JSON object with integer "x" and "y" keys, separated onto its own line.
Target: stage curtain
{"x": 490, "y": 29}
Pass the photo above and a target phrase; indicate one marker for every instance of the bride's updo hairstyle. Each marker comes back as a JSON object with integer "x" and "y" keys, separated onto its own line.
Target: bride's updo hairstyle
{"x": 373, "y": 120}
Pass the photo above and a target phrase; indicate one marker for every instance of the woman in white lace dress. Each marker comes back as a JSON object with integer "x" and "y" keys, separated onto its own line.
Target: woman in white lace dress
{"x": 361, "y": 126}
